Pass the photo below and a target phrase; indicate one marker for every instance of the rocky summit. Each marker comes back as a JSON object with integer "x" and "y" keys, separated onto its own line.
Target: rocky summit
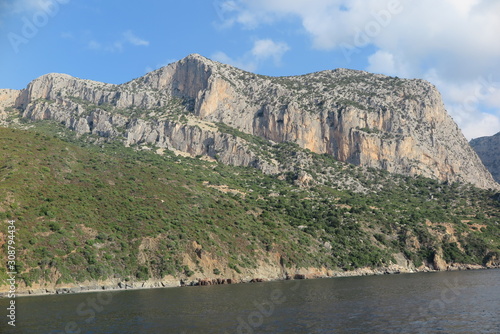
{"x": 205, "y": 108}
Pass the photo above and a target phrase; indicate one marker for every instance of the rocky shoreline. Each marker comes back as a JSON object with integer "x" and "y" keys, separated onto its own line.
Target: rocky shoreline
{"x": 117, "y": 285}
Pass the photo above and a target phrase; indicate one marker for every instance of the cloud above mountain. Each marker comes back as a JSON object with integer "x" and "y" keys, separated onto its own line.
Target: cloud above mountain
{"x": 263, "y": 50}
{"x": 454, "y": 43}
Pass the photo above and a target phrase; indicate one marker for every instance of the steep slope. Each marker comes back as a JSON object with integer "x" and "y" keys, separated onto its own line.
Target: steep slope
{"x": 488, "y": 150}
{"x": 106, "y": 215}
{"x": 370, "y": 120}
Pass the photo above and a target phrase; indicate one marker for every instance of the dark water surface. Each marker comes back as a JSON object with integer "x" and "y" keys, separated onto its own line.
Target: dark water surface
{"x": 449, "y": 302}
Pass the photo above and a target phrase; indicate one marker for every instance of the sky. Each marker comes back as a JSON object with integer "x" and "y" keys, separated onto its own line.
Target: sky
{"x": 454, "y": 44}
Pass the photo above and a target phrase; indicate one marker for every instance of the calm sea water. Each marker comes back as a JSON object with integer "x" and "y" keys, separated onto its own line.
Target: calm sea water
{"x": 449, "y": 302}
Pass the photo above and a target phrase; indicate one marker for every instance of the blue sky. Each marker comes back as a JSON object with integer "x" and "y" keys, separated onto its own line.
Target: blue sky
{"x": 452, "y": 43}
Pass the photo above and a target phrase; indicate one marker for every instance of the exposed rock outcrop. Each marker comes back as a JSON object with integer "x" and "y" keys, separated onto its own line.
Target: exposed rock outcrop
{"x": 370, "y": 120}
{"x": 8, "y": 98}
{"x": 488, "y": 149}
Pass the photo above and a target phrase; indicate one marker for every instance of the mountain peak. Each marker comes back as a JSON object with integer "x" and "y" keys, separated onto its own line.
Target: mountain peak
{"x": 197, "y": 57}
{"x": 55, "y": 76}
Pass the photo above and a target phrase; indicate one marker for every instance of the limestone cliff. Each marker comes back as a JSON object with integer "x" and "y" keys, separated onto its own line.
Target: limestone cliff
{"x": 370, "y": 120}
{"x": 7, "y": 100}
{"x": 488, "y": 149}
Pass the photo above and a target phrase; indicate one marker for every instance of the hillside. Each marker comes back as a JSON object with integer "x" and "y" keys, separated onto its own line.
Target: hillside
{"x": 202, "y": 107}
{"x": 108, "y": 214}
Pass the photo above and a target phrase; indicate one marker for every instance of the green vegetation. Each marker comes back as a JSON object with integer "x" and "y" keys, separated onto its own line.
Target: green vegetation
{"x": 87, "y": 212}
{"x": 369, "y": 130}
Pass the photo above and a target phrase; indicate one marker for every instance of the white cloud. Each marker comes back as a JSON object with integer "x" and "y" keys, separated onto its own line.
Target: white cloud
{"x": 493, "y": 99}
{"x": 133, "y": 39}
{"x": 480, "y": 124}
{"x": 224, "y": 10}
{"x": 19, "y": 7}
{"x": 262, "y": 50}
{"x": 329, "y": 22}
{"x": 382, "y": 62}
{"x": 242, "y": 63}
{"x": 466, "y": 101}
{"x": 425, "y": 23}
{"x": 94, "y": 45}
{"x": 463, "y": 6}
{"x": 27, "y": 5}
{"x": 267, "y": 48}
{"x": 450, "y": 31}
{"x": 127, "y": 38}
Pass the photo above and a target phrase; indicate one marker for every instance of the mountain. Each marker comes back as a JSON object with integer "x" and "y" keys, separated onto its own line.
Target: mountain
{"x": 202, "y": 107}
{"x": 200, "y": 173}
{"x": 488, "y": 149}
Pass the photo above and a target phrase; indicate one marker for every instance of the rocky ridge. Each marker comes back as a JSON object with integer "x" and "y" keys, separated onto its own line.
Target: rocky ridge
{"x": 193, "y": 106}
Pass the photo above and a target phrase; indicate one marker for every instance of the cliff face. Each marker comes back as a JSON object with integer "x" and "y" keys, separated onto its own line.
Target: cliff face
{"x": 7, "y": 100}
{"x": 488, "y": 150}
{"x": 370, "y": 120}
